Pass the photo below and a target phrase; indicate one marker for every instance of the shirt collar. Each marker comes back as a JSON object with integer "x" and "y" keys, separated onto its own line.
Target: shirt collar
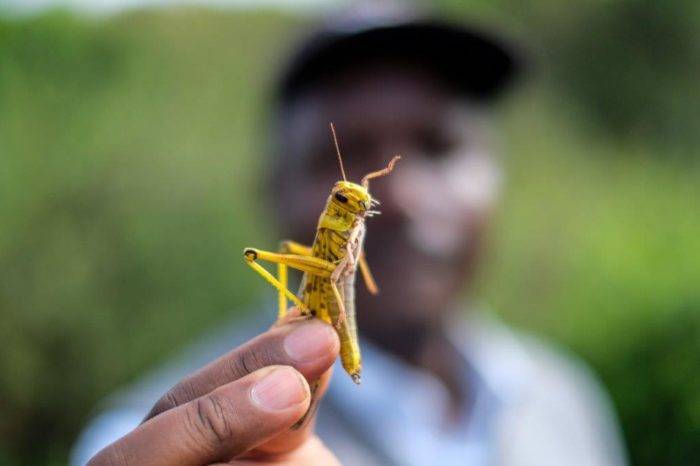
{"x": 493, "y": 352}
{"x": 399, "y": 409}
{"x": 493, "y": 362}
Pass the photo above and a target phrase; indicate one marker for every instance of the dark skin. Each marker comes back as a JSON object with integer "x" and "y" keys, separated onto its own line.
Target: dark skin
{"x": 239, "y": 408}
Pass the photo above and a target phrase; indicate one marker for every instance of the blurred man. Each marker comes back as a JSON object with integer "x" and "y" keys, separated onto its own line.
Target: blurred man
{"x": 443, "y": 384}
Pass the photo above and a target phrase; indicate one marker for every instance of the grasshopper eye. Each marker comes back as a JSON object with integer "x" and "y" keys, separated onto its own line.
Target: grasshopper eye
{"x": 340, "y": 198}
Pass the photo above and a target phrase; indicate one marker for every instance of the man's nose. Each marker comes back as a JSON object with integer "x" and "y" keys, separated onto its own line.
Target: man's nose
{"x": 385, "y": 192}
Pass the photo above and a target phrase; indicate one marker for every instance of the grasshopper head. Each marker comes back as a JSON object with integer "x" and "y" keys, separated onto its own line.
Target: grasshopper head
{"x": 351, "y": 197}
{"x": 354, "y": 197}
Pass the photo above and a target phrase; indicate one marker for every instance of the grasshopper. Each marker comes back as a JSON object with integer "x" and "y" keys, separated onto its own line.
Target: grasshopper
{"x": 329, "y": 266}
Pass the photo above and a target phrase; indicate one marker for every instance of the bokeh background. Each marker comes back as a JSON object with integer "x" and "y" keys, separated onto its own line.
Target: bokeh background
{"x": 131, "y": 154}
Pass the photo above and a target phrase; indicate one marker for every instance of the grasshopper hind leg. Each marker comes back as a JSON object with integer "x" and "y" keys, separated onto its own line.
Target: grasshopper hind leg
{"x": 251, "y": 256}
{"x": 308, "y": 264}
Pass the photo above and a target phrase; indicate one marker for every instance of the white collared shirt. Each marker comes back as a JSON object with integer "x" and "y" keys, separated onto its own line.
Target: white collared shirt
{"x": 529, "y": 405}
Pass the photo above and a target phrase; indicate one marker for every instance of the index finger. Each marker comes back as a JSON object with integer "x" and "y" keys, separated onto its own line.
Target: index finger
{"x": 310, "y": 346}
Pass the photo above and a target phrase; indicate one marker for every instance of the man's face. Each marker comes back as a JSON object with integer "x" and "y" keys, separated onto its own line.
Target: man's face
{"x": 424, "y": 245}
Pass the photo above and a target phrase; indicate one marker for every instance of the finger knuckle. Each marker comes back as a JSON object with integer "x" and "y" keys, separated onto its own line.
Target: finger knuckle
{"x": 170, "y": 400}
{"x": 210, "y": 420}
{"x": 250, "y": 359}
{"x": 174, "y": 397}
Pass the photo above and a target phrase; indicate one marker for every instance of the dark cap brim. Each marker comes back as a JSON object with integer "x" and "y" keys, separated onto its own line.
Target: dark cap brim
{"x": 475, "y": 63}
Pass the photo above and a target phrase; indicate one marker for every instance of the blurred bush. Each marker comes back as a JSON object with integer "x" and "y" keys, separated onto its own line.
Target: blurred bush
{"x": 632, "y": 66}
{"x": 628, "y": 68}
{"x": 129, "y": 162}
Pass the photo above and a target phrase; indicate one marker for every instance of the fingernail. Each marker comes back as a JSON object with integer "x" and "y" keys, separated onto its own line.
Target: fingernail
{"x": 280, "y": 389}
{"x": 310, "y": 341}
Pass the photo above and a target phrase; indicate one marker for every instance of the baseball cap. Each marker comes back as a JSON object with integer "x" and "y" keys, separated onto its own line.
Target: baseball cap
{"x": 475, "y": 62}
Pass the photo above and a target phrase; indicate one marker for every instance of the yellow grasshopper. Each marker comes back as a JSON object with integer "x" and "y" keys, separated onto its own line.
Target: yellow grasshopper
{"x": 329, "y": 266}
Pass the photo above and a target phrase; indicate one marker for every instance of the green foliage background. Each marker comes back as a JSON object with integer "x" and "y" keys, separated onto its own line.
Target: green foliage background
{"x": 130, "y": 159}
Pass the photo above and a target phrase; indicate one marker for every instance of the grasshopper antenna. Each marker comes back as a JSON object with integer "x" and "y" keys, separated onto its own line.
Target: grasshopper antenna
{"x": 337, "y": 151}
{"x": 384, "y": 171}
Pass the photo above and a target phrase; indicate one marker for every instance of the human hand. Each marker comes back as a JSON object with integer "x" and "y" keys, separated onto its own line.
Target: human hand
{"x": 239, "y": 408}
